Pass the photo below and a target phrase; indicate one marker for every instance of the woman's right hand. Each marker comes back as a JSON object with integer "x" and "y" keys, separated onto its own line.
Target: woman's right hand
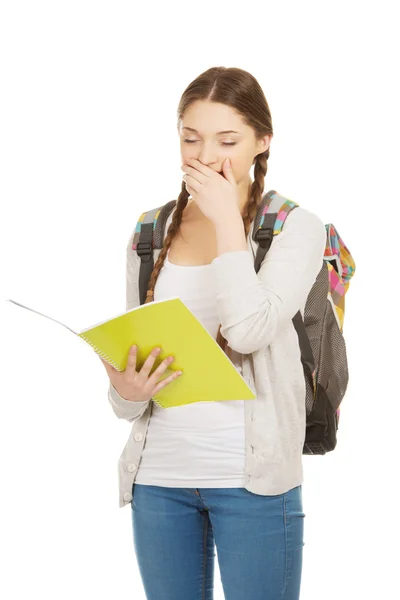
{"x": 138, "y": 386}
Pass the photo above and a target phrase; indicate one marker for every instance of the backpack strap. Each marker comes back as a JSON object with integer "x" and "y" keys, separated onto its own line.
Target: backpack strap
{"x": 149, "y": 234}
{"x": 269, "y": 221}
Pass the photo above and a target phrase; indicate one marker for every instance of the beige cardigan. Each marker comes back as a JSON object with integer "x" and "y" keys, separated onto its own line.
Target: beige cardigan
{"x": 255, "y": 312}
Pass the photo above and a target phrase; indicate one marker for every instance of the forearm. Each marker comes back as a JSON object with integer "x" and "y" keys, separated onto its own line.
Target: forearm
{"x": 253, "y": 306}
{"x": 230, "y": 235}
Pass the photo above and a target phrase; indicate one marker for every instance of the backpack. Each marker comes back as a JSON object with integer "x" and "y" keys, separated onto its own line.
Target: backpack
{"x": 320, "y": 332}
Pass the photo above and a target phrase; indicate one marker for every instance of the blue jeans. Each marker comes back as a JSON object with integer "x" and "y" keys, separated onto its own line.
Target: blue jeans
{"x": 259, "y": 542}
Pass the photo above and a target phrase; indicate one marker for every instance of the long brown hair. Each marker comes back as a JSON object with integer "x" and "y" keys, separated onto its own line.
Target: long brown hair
{"x": 240, "y": 90}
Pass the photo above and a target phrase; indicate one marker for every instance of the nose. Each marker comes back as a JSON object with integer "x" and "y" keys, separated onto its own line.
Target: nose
{"x": 207, "y": 157}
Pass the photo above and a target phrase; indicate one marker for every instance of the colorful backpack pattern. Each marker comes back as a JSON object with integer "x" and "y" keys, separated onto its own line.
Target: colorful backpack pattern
{"x": 320, "y": 331}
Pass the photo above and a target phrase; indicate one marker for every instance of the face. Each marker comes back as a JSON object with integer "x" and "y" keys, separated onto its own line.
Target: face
{"x": 211, "y": 147}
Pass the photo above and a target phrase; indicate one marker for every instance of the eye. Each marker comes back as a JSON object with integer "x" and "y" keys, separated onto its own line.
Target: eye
{"x": 223, "y": 143}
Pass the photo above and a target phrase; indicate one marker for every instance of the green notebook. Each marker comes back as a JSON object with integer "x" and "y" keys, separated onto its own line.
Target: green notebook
{"x": 208, "y": 374}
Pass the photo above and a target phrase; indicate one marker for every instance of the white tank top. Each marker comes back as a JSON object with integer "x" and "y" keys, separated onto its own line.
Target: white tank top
{"x": 200, "y": 444}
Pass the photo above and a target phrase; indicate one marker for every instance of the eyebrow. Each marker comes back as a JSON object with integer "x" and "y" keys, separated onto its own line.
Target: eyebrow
{"x": 219, "y": 132}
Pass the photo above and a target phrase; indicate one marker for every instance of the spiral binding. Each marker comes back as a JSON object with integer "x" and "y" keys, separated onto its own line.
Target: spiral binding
{"x": 156, "y": 402}
{"x": 101, "y": 353}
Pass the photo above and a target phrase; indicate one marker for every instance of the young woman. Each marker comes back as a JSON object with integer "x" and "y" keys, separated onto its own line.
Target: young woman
{"x": 224, "y": 475}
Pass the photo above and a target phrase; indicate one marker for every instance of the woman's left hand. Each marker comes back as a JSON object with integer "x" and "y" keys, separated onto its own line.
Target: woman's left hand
{"x": 216, "y": 195}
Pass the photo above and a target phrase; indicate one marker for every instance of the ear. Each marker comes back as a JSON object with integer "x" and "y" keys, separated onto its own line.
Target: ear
{"x": 264, "y": 143}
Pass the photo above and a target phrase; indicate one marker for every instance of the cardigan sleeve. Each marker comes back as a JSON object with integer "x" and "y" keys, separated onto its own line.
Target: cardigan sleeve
{"x": 252, "y": 306}
{"x": 125, "y": 409}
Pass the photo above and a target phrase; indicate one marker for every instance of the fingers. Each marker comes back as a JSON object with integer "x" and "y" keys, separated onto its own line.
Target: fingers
{"x": 131, "y": 364}
{"x": 155, "y": 376}
{"x": 149, "y": 362}
{"x": 161, "y": 384}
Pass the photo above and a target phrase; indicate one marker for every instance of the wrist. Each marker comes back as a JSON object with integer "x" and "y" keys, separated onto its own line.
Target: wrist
{"x": 231, "y": 235}
{"x": 230, "y": 220}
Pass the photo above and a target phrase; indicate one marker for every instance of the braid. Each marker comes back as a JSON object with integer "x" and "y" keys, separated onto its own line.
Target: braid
{"x": 172, "y": 231}
{"x": 250, "y": 211}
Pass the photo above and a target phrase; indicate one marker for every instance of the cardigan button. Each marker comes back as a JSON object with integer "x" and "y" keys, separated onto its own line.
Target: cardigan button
{"x": 127, "y": 496}
{"x": 138, "y": 437}
{"x": 132, "y": 467}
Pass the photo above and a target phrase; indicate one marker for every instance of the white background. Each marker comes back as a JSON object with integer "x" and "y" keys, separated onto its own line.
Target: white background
{"x": 88, "y": 142}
